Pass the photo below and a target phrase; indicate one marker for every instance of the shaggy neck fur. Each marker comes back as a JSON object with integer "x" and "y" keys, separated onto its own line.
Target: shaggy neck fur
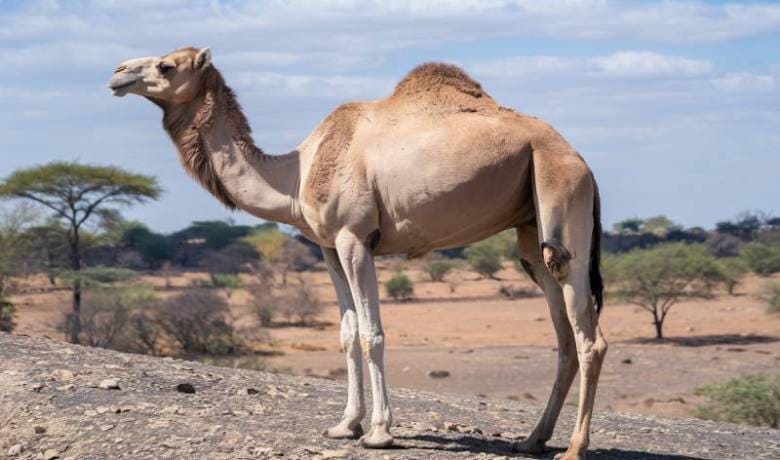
{"x": 216, "y": 148}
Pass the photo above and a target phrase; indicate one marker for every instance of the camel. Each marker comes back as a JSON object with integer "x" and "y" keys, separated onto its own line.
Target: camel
{"x": 437, "y": 164}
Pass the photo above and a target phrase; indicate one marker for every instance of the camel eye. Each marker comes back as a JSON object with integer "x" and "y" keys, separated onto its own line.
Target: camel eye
{"x": 164, "y": 68}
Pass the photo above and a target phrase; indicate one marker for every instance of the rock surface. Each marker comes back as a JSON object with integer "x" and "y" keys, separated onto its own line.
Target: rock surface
{"x": 248, "y": 414}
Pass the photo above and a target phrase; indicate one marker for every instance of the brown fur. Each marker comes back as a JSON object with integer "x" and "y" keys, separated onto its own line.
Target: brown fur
{"x": 432, "y": 75}
{"x": 339, "y": 128}
{"x": 440, "y": 87}
{"x": 186, "y": 123}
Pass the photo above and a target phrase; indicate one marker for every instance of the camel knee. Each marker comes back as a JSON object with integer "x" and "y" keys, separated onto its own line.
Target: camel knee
{"x": 556, "y": 258}
{"x": 373, "y": 345}
{"x": 349, "y": 331}
{"x": 593, "y": 351}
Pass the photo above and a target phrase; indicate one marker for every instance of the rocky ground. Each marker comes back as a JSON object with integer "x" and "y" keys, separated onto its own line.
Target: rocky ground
{"x": 63, "y": 401}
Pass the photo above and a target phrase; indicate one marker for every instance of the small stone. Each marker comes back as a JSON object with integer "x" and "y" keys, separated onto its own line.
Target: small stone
{"x": 529, "y": 396}
{"x": 438, "y": 374}
{"x": 252, "y": 391}
{"x": 64, "y": 375}
{"x": 51, "y": 454}
{"x": 333, "y": 454}
{"x": 101, "y": 409}
{"x": 185, "y": 388}
{"x": 109, "y": 384}
{"x": 450, "y": 426}
{"x": 39, "y": 429}
{"x": 470, "y": 430}
{"x": 626, "y": 361}
{"x": 37, "y": 387}
{"x": 67, "y": 387}
{"x": 106, "y": 427}
{"x": 15, "y": 450}
{"x": 90, "y": 412}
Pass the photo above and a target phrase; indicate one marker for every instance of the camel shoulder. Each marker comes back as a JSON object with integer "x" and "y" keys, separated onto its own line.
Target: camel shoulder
{"x": 334, "y": 136}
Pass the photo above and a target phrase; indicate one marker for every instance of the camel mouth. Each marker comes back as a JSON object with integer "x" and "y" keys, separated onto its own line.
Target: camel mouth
{"x": 121, "y": 83}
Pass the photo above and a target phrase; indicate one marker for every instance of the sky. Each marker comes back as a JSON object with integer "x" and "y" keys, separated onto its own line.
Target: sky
{"x": 674, "y": 105}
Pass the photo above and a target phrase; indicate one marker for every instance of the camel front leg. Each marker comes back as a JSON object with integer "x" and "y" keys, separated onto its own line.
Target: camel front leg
{"x": 349, "y": 427}
{"x": 358, "y": 264}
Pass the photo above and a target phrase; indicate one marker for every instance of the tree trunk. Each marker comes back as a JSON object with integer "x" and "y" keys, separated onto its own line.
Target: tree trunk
{"x": 659, "y": 328}
{"x": 74, "y": 322}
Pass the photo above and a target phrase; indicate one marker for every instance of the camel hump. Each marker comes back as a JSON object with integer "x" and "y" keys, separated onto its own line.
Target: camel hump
{"x": 434, "y": 76}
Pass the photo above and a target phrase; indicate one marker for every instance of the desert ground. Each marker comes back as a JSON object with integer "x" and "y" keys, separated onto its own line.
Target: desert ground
{"x": 497, "y": 348}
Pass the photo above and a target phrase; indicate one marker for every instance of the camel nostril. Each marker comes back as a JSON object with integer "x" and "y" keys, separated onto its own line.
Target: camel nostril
{"x": 120, "y": 68}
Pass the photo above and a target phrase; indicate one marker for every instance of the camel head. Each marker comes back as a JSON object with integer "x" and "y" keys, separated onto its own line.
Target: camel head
{"x": 175, "y": 77}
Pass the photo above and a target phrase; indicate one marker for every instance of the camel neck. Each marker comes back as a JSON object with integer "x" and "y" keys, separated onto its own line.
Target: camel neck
{"x": 216, "y": 147}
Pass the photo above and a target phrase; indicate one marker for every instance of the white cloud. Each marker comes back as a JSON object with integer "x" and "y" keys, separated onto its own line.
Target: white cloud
{"x": 744, "y": 81}
{"x": 271, "y": 84}
{"x": 624, "y": 64}
{"x": 649, "y": 64}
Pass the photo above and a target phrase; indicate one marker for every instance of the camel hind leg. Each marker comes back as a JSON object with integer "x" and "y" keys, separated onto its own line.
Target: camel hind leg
{"x": 531, "y": 254}
{"x": 567, "y": 213}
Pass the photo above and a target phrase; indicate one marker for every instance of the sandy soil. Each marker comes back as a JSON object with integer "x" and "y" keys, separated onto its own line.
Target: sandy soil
{"x": 498, "y": 348}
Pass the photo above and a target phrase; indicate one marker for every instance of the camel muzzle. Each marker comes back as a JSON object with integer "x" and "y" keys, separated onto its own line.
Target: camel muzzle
{"x": 121, "y": 82}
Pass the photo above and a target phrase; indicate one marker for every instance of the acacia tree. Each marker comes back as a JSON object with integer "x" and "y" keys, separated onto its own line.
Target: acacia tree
{"x": 657, "y": 279}
{"x": 74, "y": 193}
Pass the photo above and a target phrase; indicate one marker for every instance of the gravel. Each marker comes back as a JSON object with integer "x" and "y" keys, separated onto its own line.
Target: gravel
{"x": 283, "y": 416}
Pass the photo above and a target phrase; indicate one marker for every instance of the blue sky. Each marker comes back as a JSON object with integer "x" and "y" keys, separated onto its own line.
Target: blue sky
{"x": 675, "y": 105}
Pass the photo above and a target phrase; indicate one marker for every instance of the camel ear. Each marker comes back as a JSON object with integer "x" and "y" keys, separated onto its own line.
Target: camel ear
{"x": 202, "y": 59}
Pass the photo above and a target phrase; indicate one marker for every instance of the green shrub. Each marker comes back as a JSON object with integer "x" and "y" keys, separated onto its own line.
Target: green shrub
{"x": 399, "y": 287}
{"x": 7, "y": 311}
{"x": 731, "y": 270}
{"x": 749, "y": 399}
{"x": 438, "y": 269}
{"x": 225, "y": 281}
{"x": 98, "y": 276}
{"x": 485, "y": 257}
{"x": 763, "y": 259}
{"x": 772, "y": 297}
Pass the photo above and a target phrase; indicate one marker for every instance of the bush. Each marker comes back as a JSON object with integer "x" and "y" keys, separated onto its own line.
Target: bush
{"x": 7, "y": 311}
{"x": 225, "y": 281}
{"x": 732, "y": 270}
{"x": 238, "y": 257}
{"x": 485, "y": 258}
{"x": 763, "y": 259}
{"x": 298, "y": 306}
{"x": 97, "y": 276}
{"x": 724, "y": 245}
{"x": 197, "y": 321}
{"x": 399, "y": 287}
{"x": 438, "y": 269}
{"x": 116, "y": 318}
{"x": 772, "y": 297}
{"x": 750, "y": 399}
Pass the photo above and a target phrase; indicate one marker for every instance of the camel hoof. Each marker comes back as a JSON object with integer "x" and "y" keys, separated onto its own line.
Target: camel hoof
{"x": 344, "y": 432}
{"x": 378, "y": 438}
{"x": 569, "y": 455}
{"x": 528, "y": 446}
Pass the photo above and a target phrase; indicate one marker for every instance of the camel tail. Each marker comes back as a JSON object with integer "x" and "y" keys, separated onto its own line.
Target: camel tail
{"x": 596, "y": 281}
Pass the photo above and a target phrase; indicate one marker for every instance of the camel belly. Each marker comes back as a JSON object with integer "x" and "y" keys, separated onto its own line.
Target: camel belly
{"x": 436, "y": 206}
